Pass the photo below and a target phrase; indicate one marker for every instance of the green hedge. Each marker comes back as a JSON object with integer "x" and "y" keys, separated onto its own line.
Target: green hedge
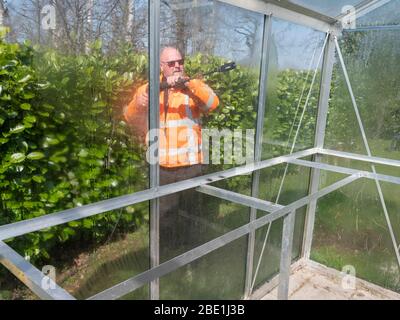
{"x": 64, "y": 142}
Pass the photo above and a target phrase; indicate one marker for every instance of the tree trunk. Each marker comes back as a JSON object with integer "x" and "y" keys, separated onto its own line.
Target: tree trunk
{"x": 89, "y": 25}
{"x": 2, "y": 13}
{"x": 130, "y": 19}
{"x": 38, "y": 26}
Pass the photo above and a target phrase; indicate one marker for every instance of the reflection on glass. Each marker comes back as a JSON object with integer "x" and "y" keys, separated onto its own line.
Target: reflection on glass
{"x": 371, "y": 60}
{"x": 293, "y": 61}
{"x": 196, "y": 219}
{"x": 207, "y": 34}
{"x": 218, "y": 275}
{"x": 294, "y": 186}
{"x": 385, "y": 15}
{"x": 330, "y": 8}
{"x": 351, "y": 229}
{"x": 65, "y": 142}
{"x": 89, "y": 255}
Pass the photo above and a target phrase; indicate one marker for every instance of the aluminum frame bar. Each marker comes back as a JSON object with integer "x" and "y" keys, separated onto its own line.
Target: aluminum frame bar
{"x": 238, "y": 198}
{"x": 344, "y": 170}
{"x": 291, "y": 151}
{"x": 289, "y": 12}
{"x": 154, "y": 123}
{"x": 374, "y": 28}
{"x": 323, "y": 105}
{"x": 50, "y": 220}
{"x": 31, "y": 276}
{"x": 364, "y": 136}
{"x": 363, "y": 8}
{"x": 138, "y": 281}
{"x": 286, "y": 255}
{"x": 360, "y": 157}
{"x": 262, "y": 99}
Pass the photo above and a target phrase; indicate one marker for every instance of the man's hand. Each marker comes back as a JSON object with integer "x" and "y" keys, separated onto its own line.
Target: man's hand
{"x": 142, "y": 100}
{"x": 173, "y": 80}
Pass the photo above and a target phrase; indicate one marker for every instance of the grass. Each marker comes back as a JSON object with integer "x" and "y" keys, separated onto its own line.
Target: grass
{"x": 351, "y": 228}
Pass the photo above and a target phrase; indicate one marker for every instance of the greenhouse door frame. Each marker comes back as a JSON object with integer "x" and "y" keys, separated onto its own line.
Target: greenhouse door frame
{"x": 33, "y": 278}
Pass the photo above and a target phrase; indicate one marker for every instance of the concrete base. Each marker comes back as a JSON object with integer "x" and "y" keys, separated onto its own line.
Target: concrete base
{"x": 312, "y": 281}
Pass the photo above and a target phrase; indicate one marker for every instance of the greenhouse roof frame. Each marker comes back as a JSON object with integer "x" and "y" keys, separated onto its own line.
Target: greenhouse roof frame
{"x": 33, "y": 278}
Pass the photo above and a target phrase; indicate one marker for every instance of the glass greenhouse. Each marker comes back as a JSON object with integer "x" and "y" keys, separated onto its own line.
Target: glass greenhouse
{"x": 283, "y": 182}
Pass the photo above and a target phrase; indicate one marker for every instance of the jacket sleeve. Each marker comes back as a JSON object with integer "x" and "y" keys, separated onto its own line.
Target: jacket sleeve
{"x": 137, "y": 116}
{"x": 207, "y": 97}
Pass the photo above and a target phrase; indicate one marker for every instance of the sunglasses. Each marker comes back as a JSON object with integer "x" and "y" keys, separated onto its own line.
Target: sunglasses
{"x": 172, "y": 63}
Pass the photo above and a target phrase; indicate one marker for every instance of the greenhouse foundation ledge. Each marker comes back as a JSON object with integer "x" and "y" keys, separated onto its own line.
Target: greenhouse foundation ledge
{"x": 310, "y": 280}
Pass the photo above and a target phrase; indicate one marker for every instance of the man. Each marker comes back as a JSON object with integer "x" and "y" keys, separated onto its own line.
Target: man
{"x": 180, "y": 144}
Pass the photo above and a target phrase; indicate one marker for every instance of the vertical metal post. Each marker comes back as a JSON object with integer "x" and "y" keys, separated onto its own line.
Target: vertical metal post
{"x": 286, "y": 255}
{"x": 326, "y": 80}
{"x": 154, "y": 124}
{"x": 366, "y": 144}
{"x": 258, "y": 144}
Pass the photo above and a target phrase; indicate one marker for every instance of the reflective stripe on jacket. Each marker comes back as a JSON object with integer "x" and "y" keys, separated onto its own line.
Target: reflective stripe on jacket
{"x": 180, "y": 141}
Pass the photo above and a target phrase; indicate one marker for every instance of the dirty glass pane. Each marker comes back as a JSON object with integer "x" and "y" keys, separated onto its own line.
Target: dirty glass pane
{"x": 352, "y": 232}
{"x": 218, "y": 275}
{"x": 330, "y": 8}
{"x": 196, "y": 219}
{"x": 351, "y": 228}
{"x": 67, "y": 75}
{"x": 371, "y": 60}
{"x": 386, "y": 15}
{"x": 209, "y": 34}
{"x": 88, "y": 255}
{"x": 293, "y": 60}
{"x": 278, "y": 187}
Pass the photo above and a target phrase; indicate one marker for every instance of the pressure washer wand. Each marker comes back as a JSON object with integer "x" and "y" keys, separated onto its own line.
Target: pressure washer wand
{"x": 181, "y": 82}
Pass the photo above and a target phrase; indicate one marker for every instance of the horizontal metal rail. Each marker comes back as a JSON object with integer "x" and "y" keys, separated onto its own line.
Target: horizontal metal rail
{"x": 61, "y": 217}
{"x": 138, "y": 281}
{"x": 363, "y": 8}
{"x": 239, "y": 198}
{"x": 289, "y": 12}
{"x": 332, "y": 168}
{"x": 44, "y": 288}
{"x": 374, "y": 28}
{"x": 360, "y": 157}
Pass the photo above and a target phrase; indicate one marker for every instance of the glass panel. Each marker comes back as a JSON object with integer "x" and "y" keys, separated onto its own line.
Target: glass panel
{"x": 69, "y": 74}
{"x": 293, "y": 59}
{"x": 331, "y": 8}
{"x": 294, "y": 186}
{"x": 209, "y": 34}
{"x": 373, "y": 74}
{"x": 351, "y": 230}
{"x": 342, "y": 129}
{"x": 361, "y": 165}
{"x": 89, "y": 255}
{"x": 196, "y": 219}
{"x": 385, "y": 15}
{"x": 218, "y": 275}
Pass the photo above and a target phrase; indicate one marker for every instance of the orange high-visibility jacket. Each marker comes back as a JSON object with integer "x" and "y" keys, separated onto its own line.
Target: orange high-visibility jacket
{"x": 180, "y": 142}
